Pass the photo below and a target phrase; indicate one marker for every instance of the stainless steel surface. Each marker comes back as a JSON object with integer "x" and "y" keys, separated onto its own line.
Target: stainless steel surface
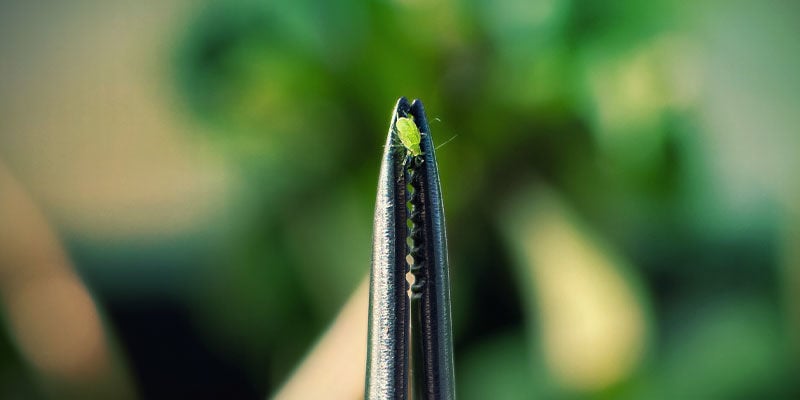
{"x": 414, "y": 181}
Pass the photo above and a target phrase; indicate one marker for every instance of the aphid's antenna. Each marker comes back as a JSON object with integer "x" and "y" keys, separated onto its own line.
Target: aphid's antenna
{"x": 446, "y": 142}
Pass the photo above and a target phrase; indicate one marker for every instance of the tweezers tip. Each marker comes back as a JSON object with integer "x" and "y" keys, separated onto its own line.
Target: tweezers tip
{"x": 416, "y": 109}
{"x": 402, "y": 105}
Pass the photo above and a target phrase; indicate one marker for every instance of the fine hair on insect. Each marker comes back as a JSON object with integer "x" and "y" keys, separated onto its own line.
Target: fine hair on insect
{"x": 408, "y": 137}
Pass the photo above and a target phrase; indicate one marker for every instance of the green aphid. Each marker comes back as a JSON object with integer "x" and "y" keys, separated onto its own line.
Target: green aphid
{"x": 409, "y": 135}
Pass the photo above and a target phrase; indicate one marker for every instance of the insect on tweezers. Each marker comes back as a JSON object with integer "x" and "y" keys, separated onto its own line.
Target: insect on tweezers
{"x": 409, "y": 235}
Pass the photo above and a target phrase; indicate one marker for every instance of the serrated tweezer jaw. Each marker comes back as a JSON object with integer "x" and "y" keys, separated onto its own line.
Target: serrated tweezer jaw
{"x": 409, "y": 236}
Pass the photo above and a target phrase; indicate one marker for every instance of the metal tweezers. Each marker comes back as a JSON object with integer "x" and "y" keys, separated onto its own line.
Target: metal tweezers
{"x": 409, "y": 236}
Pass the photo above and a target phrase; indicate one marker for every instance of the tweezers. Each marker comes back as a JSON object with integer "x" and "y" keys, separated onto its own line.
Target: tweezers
{"x": 409, "y": 236}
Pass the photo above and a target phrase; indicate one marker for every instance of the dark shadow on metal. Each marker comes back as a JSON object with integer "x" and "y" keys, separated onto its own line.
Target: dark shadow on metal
{"x": 409, "y": 205}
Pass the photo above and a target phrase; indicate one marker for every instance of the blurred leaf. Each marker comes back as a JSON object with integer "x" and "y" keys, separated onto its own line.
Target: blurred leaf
{"x": 585, "y": 300}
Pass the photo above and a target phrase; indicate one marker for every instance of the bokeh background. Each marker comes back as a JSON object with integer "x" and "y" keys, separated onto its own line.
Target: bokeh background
{"x": 187, "y": 188}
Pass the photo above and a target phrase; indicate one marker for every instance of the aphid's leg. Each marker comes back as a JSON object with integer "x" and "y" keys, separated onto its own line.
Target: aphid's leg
{"x": 396, "y": 144}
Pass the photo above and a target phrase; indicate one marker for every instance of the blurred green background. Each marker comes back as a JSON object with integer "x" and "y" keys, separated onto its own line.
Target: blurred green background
{"x": 187, "y": 191}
